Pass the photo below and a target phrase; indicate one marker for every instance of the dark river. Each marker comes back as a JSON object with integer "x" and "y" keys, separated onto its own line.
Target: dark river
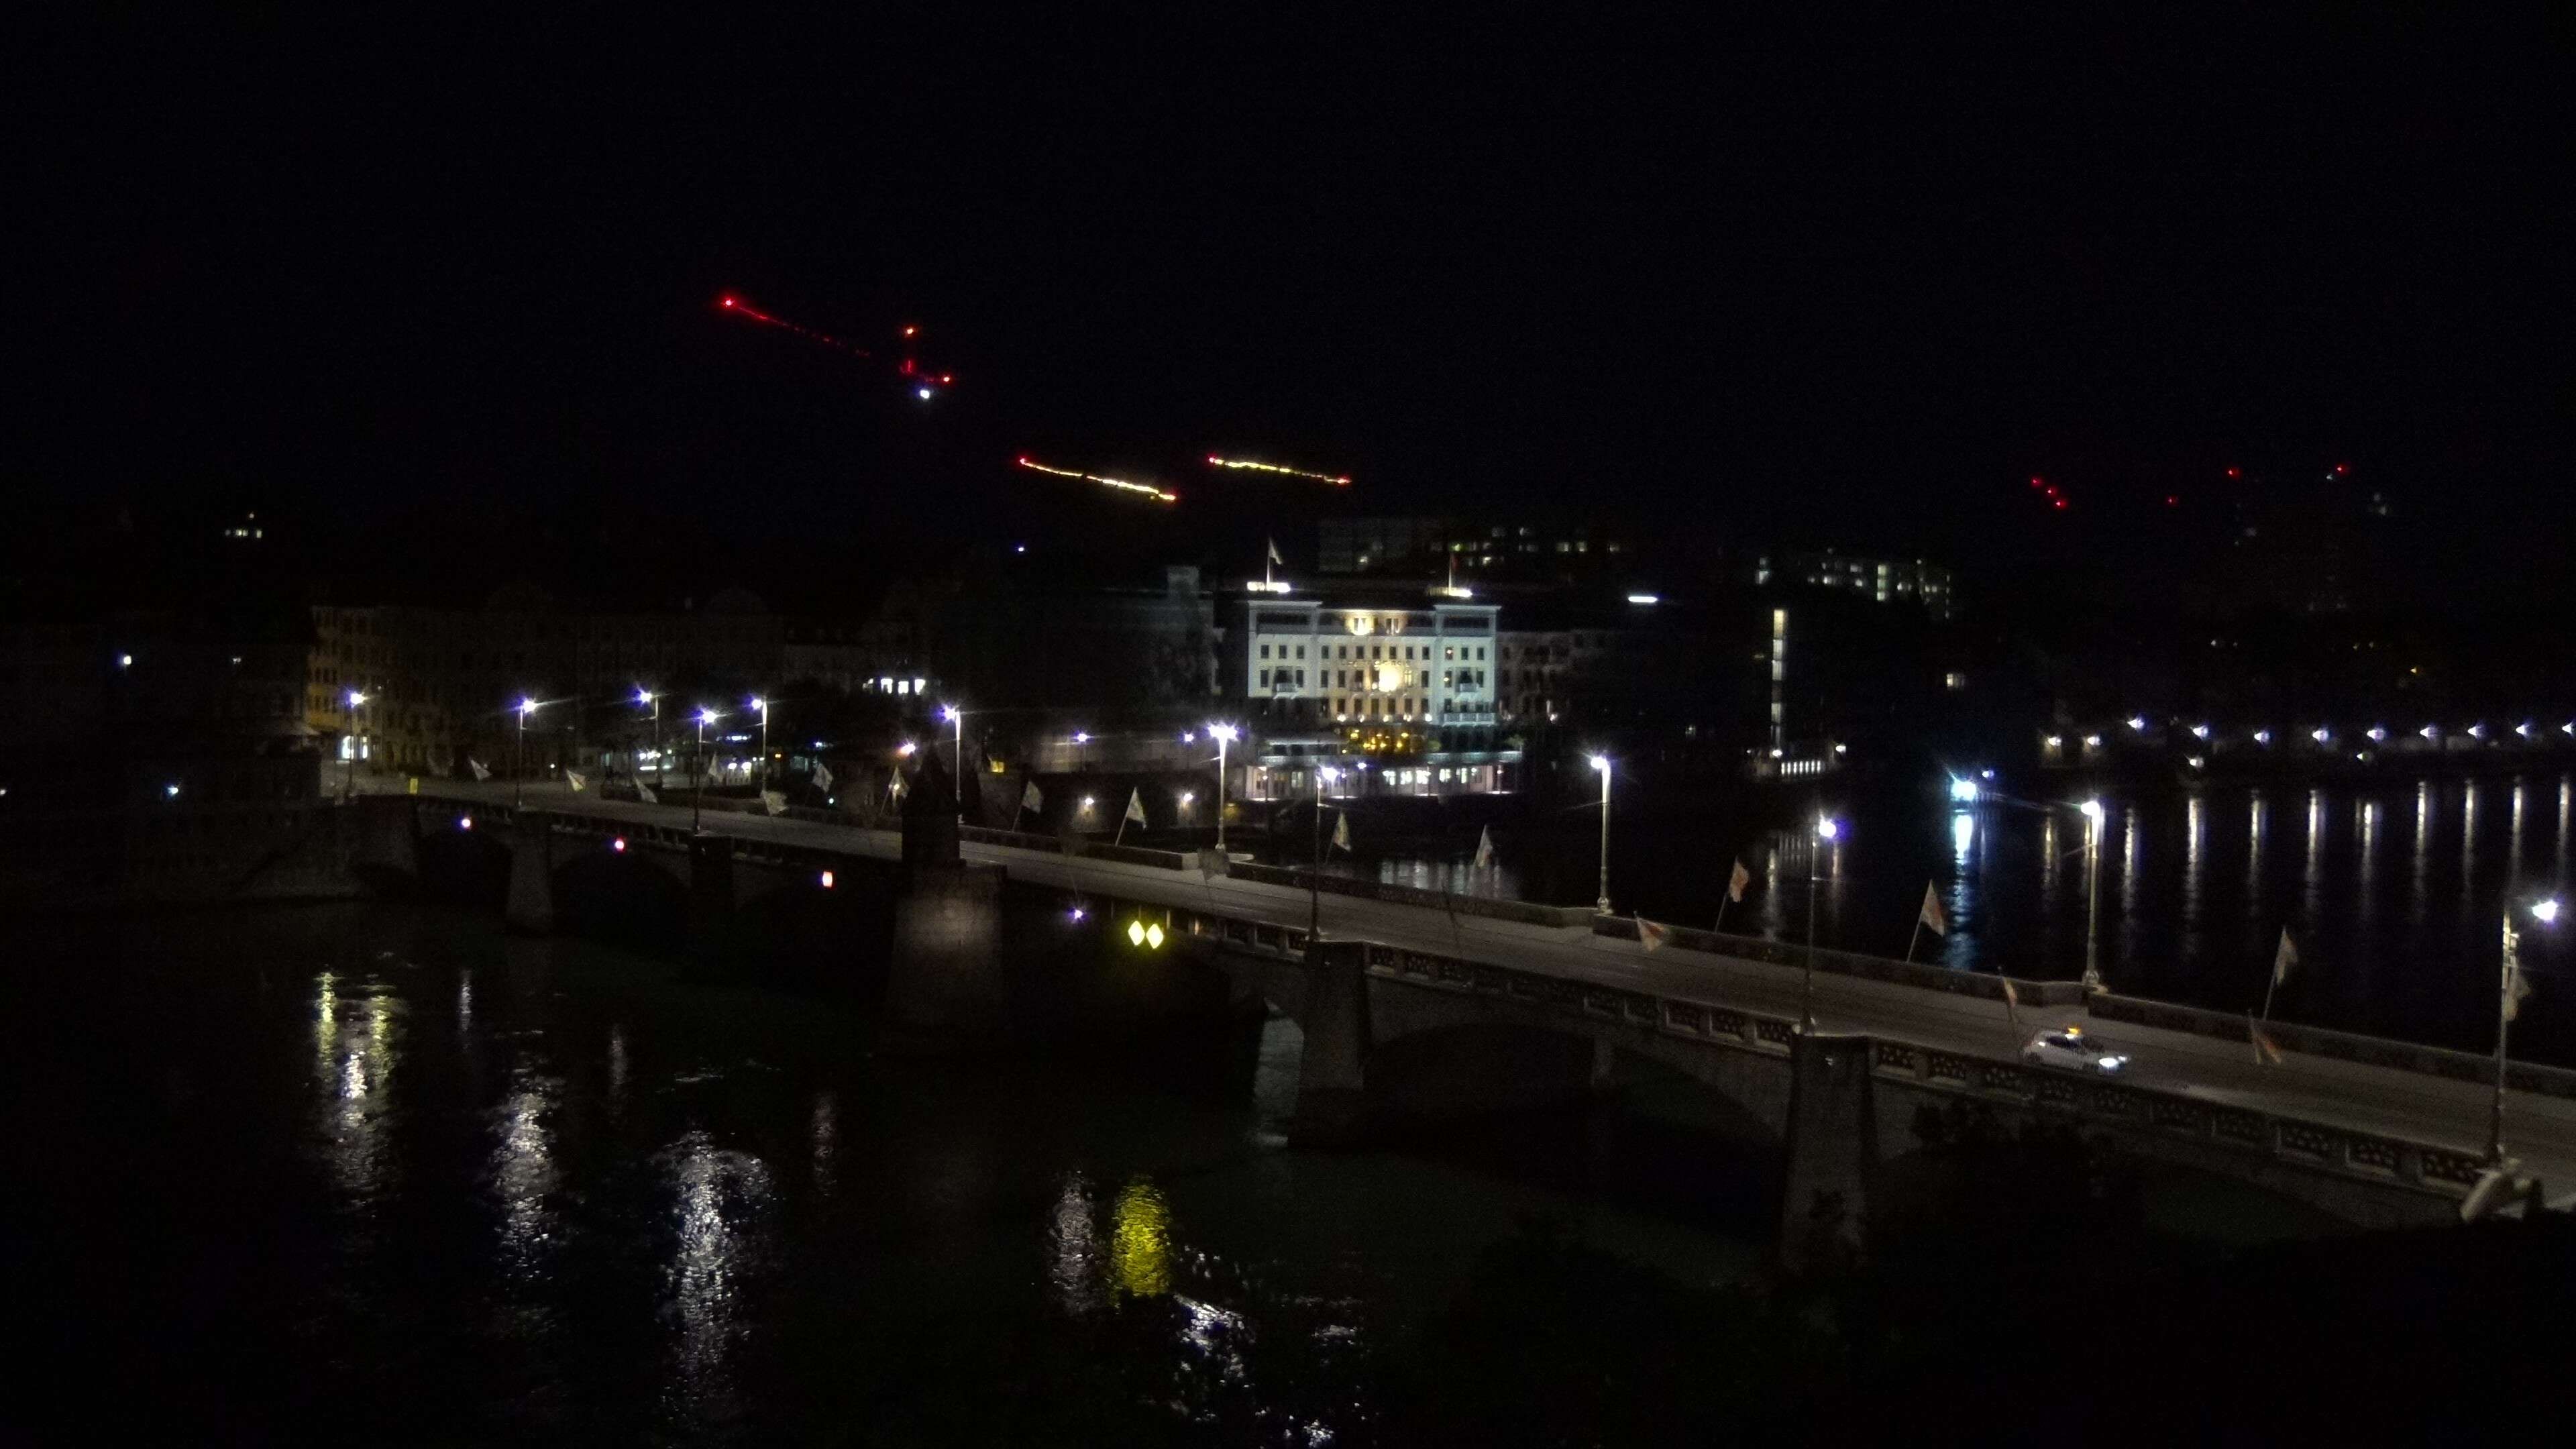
{"x": 378, "y": 1173}
{"x": 2391, "y": 892}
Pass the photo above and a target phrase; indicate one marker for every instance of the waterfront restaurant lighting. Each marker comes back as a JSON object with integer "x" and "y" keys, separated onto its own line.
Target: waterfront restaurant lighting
{"x": 2200, "y": 731}
{"x": 2377, "y": 733}
{"x": 2321, "y": 734}
{"x": 2138, "y": 723}
{"x": 1963, "y": 791}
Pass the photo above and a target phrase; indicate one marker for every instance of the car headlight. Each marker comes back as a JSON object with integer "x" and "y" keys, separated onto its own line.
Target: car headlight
{"x": 2113, "y": 1064}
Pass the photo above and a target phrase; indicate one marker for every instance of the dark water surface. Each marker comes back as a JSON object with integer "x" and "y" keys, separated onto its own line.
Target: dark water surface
{"x": 2392, "y": 891}
{"x": 382, "y": 1173}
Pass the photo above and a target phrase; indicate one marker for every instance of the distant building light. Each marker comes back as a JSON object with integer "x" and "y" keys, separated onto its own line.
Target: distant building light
{"x": 2138, "y": 722}
{"x": 2200, "y": 731}
{"x": 618, "y": 845}
{"x": 464, "y": 822}
{"x": 171, "y": 789}
{"x": 2092, "y": 742}
{"x": 1645, "y": 598}
{"x": 2321, "y": 734}
{"x": 2376, "y": 733}
{"x": 2262, "y": 737}
{"x": 1963, "y": 791}
{"x": 827, "y": 880}
{"x": 2054, "y": 742}
{"x": 125, "y": 661}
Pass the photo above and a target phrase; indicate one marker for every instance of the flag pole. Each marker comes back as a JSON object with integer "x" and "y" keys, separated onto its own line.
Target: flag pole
{"x": 1911, "y": 941}
{"x": 1721, "y": 911}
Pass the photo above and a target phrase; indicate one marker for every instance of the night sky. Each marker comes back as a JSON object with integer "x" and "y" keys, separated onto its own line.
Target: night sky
{"x": 451, "y": 294}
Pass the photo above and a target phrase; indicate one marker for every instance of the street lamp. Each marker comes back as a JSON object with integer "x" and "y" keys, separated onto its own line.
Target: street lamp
{"x": 519, "y": 771}
{"x": 2509, "y": 994}
{"x": 1828, "y": 830}
{"x": 2092, "y": 893}
{"x": 697, "y": 771}
{"x": 349, "y": 760}
{"x": 762, "y": 705}
{"x": 1225, "y": 735}
{"x": 1602, "y": 764}
{"x": 1315, "y": 876}
{"x": 957, "y": 761}
{"x": 647, "y": 697}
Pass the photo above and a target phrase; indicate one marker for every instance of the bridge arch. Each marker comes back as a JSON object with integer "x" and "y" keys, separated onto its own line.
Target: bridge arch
{"x": 633, "y": 897}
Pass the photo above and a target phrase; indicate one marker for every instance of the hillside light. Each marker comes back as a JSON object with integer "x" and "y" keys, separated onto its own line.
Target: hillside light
{"x": 1602, "y": 764}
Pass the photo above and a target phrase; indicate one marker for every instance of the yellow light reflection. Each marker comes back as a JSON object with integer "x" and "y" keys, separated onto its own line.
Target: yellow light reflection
{"x": 1140, "y": 1251}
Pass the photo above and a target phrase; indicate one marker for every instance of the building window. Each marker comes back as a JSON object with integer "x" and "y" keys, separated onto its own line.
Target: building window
{"x": 1265, "y": 679}
{"x": 1265, "y": 651}
{"x": 1301, "y": 653}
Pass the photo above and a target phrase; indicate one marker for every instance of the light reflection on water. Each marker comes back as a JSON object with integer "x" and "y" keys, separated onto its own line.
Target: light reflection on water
{"x": 724, "y": 1200}
{"x": 355, "y": 1045}
{"x": 523, "y": 1173}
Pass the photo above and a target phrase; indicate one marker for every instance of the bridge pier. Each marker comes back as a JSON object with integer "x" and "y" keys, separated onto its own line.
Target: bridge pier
{"x": 1332, "y": 1081}
{"x": 946, "y": 970}
{"x": 710, "y": 899}
{"x": 531, "y": 906}
{"x": 388, "y": 836}
{"x": 1832, "y": 1152}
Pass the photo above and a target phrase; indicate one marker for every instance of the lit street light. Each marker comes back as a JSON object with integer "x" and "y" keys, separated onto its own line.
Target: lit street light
{"x": 2509, "y": 993}
{"x": 762, "y": 704}
{"x": 349, "y": 757}
{"x": 647, "y": 697}
{"x": 1828, "y": 830}
{"x": 698, "y": 771}
{"x": 519, "y": 771}
{"x": 1315, "y": 877}
{"x": 957, "y": 761}
{"x": 1602, "y": 763}
{"x": 1225, "y": 735}
{"x": 2093, "y": 814}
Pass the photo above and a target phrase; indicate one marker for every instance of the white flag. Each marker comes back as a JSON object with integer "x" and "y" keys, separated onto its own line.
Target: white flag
{"x": 1485, "y": 847}
{"x": 2284, "y": 958}
{"x": 481, "y": 771}
{"x": 775, "y": 802}
{"x": 1030, "y": 799}
{"x": 1650, "y": 935}
{"x": 1342, "y": 831}
{"x": 2517, "y": 986}
{"x": 645, "y": 793}
{"x": 1736, "y": 882}
{"x": 822, "y": 777}
{"x": 574, "y": 779}
{"x": 1135, "y": 807}
{"x": 1933, "y": 921}
{"x": 2012, "y": 1001}
{"x": 1274, "y": 553}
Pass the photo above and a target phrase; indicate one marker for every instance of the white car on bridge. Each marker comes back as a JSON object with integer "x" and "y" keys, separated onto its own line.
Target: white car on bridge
{"x": 2071, "y": 1050}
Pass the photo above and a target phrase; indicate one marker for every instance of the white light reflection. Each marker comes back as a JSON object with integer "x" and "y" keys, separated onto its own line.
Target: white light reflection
{"x": 723, "y": 1201}
{"x": 616, "y": 1071}
{"x": 2418, "y": 897}
{"x": 1076, "y": 1268}
{"x": 2257, "y": 816}
{"x": 2312, "y": 875}
{"x": 2195, "y": 856}
{"x": 2468, "y": 849}
{"x": 2513, "y": 843}
{"x": 2366, "y": 868}
{"x": 524, "y": 1176}
{"x": 826, "y": 1134}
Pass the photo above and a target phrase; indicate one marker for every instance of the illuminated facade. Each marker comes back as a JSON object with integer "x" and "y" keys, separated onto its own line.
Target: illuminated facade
{"x": 1370, "y": 666}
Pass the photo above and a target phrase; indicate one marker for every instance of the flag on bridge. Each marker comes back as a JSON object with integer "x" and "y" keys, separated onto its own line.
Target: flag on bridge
{"x": 1342, "y": 831}
{"x": 822, "y": 777}
{"x": 481, "y": 771}
{"x": 2516, "y": 987}
{"x": 1030, "y": 799}
{"x": 645, "y": 793}
{"x": 2012, "y": 1003}
{"x": 1485, "y": 848}
{"x": 774, "y": 802}
{"x": 1274, "y": 553}
{"x": 1737, "y": 881}
{"x": 2266, "y": 1051}
{"x": 1931, "y": 917}
{"x": 574, "y": 779}
{"x": 1135, "y": 806}
{"x": 2284, "y": 958}
{"x": 1652, "y": 936}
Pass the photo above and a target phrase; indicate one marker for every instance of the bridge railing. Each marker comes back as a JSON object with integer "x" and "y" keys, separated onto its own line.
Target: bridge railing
{"x": 1920, "y": 975}
{"x": 1526, "y": 912}
{"x": 1074, "y": 845}
{"x": 2374, "y": 1051}
{"x": 2124, "y": 1106}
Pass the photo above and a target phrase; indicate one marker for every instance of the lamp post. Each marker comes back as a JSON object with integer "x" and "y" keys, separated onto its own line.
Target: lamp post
{"x": 2509, "y": 992}
{"x": 1225, "y": 734}
{"x": 349, "y": 760}
{"x": 698, "y": 770}
{"x": 957, "y": 759}
{"x": 519, "y": 771}
{"x": 2092, "y": 894}
{"x": 1602, "y": 764}
{"x": 1828, "y": 830}
{"x": 761, "y": 704}
{"x": 1315, "y": 874}
{"x": 648, "y": 698}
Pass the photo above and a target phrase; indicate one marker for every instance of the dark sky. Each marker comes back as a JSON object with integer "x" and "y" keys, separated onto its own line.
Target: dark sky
{"x": 451, "y": 291}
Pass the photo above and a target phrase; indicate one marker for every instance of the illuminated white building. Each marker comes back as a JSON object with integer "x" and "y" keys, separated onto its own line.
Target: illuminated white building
{"x": 1357, "y": 665}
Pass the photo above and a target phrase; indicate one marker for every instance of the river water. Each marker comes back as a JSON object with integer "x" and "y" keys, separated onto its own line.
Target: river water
{"x": 367, "y": 1173}
{"x": 2392, "y": 893}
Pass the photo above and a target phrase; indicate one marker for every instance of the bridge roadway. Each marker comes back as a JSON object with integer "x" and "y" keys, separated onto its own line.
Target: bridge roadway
{"x": 2436, "y": 1111}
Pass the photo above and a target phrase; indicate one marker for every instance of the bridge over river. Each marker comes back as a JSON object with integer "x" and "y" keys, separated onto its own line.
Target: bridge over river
{"x": 2371, "y": 1130}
